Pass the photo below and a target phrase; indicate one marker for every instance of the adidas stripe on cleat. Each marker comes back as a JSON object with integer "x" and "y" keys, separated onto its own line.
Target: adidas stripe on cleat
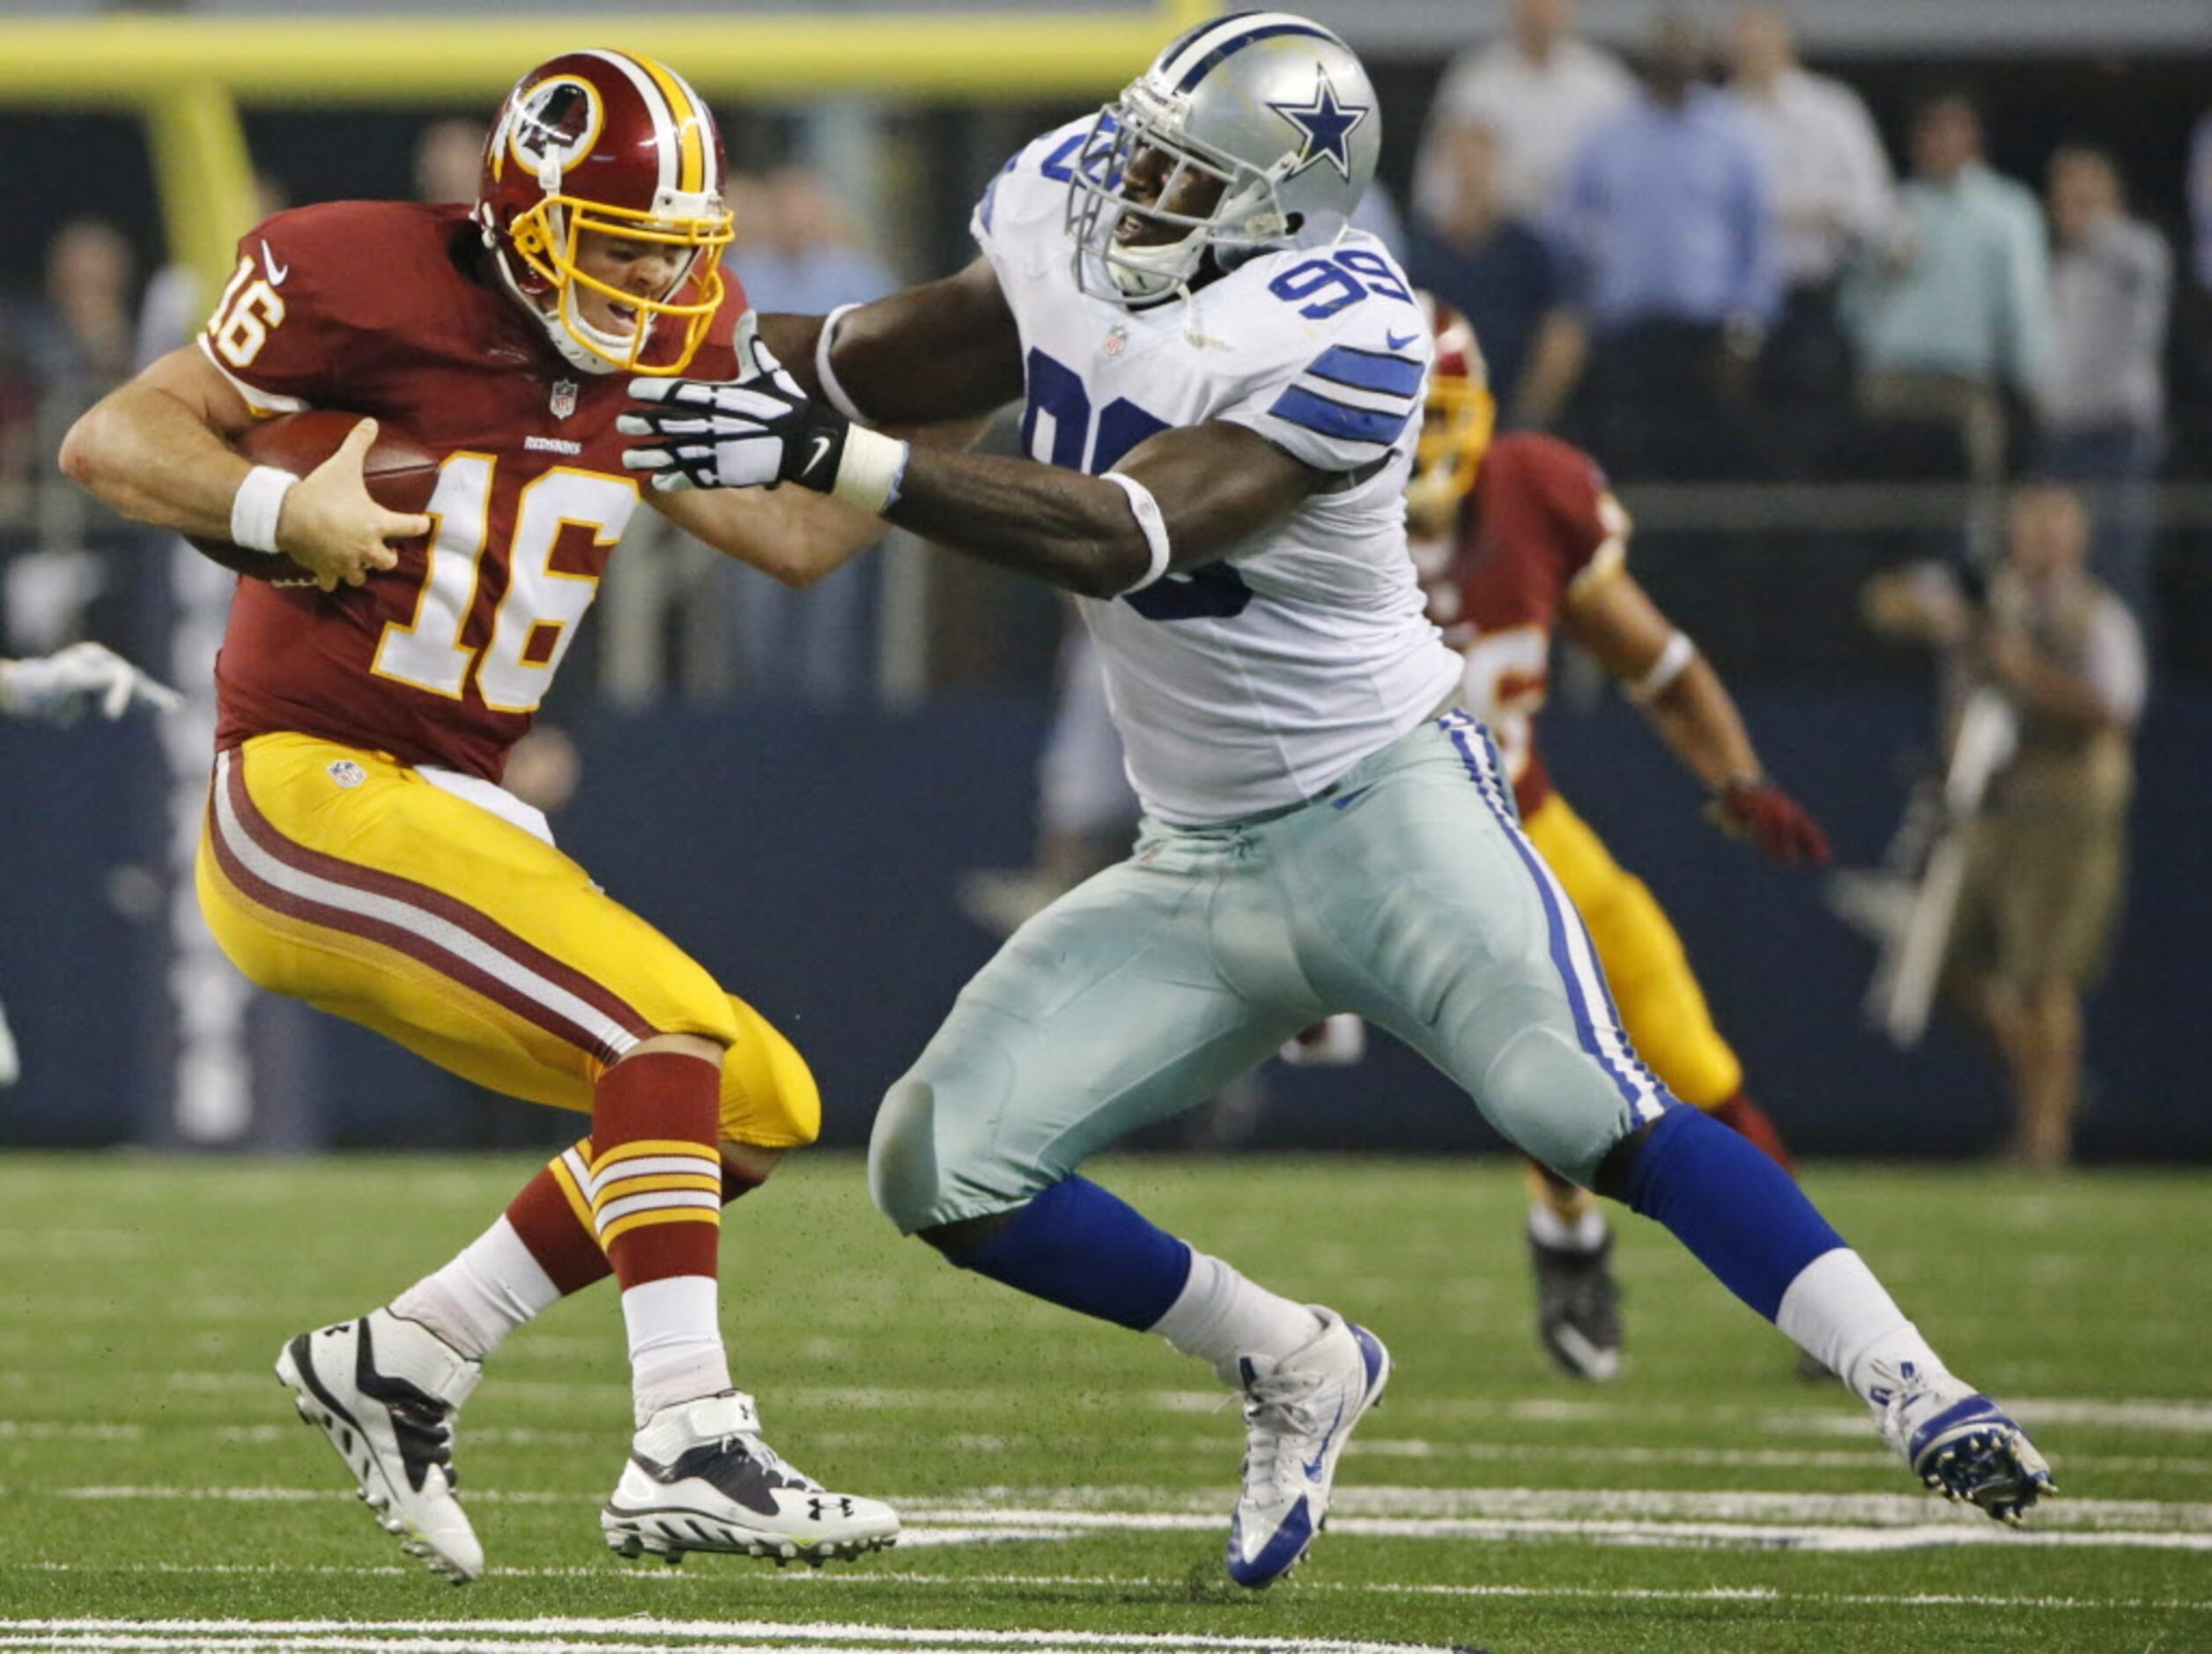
{"x": 700, "y": 1478}
{"x": 385, "y": 1392}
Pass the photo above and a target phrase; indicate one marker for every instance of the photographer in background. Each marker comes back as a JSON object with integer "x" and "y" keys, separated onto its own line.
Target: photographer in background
{"x": 2044, "y": 858}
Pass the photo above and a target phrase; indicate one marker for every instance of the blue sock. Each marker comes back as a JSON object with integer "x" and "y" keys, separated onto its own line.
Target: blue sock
{"x": 1078, "y": 1247}
{"x": 1736, "y": 1210}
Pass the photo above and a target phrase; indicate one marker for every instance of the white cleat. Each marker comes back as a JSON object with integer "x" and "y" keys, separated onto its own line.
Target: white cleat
{"x": 1960, "y": 1443}
{"x": 385, "y": 1392}
{"x": 700, "y": 1478}
{"x": 1298, "y": 1413}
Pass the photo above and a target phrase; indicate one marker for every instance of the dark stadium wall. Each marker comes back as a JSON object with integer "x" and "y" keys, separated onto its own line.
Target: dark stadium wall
{"x": 810, "y": 858}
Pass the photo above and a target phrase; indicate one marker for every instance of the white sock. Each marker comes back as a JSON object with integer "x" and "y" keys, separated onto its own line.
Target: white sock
{"x": 1584, "y": 1234}
{"x": 1838, "y": 1312}
{"x": 676, "y": 1342}
{"x": 1219, "y": 1315}
{"x": 490, "y": 1289}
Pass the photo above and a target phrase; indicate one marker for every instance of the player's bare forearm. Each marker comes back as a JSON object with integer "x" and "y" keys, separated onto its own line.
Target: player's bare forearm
{"x": 1697, "y": 719}
{"x": 1615, "y": 618}
{"x": 153, "y": 449}
{"x": 1215, "y": 485}
{"x": 947, "y": 350}
{"x": 1073, "y": 531}
{"x": 788, "y": 534}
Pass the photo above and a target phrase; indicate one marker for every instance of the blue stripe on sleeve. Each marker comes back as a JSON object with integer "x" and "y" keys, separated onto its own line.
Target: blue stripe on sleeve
{"x": 1368, "y": 370}
{"x": 1301, "y": 407}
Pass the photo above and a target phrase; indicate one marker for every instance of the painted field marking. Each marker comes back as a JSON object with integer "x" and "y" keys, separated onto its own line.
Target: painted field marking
{"x": 553, "y": 1635}
{"x": 670, "y": 1577}
{"x": 1847, "y": 1523}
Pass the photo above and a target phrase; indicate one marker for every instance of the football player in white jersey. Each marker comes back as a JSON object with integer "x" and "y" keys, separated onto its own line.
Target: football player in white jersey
{"x": 1223, "y": 387}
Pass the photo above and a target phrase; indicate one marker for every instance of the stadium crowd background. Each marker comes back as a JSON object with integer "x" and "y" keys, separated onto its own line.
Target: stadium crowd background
{"x": 1969, "y": 263}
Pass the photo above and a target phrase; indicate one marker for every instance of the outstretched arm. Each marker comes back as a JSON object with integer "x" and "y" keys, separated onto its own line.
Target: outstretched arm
{"x": 1199, "y": 490}
{"x": 1176, "y": 500}
{"x": 947, "y": 350}
{"x": 1615, "y": 620}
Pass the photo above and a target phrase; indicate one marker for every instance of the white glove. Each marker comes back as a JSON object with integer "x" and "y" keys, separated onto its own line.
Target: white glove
{"x": 59, "y": 687}
{"x": 757, "y": 431}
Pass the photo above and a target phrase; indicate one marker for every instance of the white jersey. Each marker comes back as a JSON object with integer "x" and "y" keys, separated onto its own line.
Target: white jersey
{"x": 1258, "y": 679}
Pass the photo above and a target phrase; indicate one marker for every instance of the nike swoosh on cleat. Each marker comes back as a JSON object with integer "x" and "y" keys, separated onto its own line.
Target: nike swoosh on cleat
{"x": 1397, "y": 344}
{"x": 1313, "y": 1470}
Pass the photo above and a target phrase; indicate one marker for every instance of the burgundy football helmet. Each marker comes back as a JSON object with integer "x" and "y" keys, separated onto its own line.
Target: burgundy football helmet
{"x": 1461, "y": 414}
{"x": 611, "y": 143}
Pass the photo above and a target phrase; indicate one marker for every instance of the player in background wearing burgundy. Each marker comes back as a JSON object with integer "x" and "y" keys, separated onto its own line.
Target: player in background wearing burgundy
{"x": 359, "y": 852}
{"x": 1517, "y": 539}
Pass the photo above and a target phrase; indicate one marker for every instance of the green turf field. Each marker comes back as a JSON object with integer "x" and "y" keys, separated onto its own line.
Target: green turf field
{"x": 1066, "y": 1486}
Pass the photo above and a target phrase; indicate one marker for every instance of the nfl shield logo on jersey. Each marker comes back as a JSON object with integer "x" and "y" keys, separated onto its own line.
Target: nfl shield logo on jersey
{"x": 564, "y": 399}
{"x": 345, "y": 772}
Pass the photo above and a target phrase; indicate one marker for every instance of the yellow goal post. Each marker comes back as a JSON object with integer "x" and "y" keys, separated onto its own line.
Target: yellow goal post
{"x": 187, "y": 75}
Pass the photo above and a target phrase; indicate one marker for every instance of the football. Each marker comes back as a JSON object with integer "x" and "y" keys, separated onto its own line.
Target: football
{"x": 400, "y": 472}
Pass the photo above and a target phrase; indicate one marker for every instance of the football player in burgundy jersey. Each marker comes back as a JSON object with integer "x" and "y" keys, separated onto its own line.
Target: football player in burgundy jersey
{"x": 1519, "y": 539}
{"x": 359, "y": 852}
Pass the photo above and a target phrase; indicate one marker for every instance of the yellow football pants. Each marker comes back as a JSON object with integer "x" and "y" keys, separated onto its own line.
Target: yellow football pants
{"x": 344, "y": 878}
{"x": 1660, "y": 1004}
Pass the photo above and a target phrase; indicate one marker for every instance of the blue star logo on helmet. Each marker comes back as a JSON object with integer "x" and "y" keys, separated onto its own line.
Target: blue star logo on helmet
{"x": 1326, "y": 123}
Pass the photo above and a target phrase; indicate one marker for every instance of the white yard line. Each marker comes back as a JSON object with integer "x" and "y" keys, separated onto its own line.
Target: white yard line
{"x": 1407, "y": 1511}
{"x": 1109, "y": 1583}
{"x": 557, "y": 1635}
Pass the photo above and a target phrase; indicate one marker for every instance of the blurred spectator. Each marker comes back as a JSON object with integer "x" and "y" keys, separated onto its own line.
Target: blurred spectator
{"x": 797, "y": 250}
{"x": 1953, "y": 315}
{"x": 1538, "y": 91}
{"x": 448, "y": 162}
{"x": 1502, "y": 275}
{"x": 1665, "y": 223}
{"x": 2045, "y": 857}
{"x": 77, "y": 346}
{"x": 2104, "y": 403}
{"x": 85, "y": 339}
{"x": 1833, "y": 196}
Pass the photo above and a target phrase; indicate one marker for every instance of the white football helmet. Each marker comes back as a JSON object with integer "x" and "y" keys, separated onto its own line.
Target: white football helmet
{"x": 1273, "y": 106}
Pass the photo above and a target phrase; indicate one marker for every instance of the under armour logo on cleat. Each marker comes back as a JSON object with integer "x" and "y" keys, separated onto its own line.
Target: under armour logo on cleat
{"x": 817, "y": 1505}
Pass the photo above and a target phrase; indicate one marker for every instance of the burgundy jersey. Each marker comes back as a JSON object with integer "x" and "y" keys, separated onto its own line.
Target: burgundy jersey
{"x": 1539, "y": 526}
{"x": 392, "y": 309}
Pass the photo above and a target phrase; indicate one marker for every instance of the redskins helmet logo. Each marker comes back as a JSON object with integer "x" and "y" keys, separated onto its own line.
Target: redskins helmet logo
{"x": 554, "y": 124}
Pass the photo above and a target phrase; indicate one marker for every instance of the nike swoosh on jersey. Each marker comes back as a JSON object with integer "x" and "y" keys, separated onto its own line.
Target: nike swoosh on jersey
{"x": 1397, "y": 344}
{"x": 277, "y": 272}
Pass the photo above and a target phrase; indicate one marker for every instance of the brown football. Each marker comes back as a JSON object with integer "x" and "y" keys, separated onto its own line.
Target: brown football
{"x": 400, "y": 473}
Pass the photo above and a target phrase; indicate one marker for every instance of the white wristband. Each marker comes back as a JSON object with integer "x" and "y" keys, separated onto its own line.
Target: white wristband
{"x": 870, "y": 470}
{"x": 1674, "y": 660}
{"x": 827, "y": 374}
{"x": 1148, "y": 519}
{"x": 256, "y": 505}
